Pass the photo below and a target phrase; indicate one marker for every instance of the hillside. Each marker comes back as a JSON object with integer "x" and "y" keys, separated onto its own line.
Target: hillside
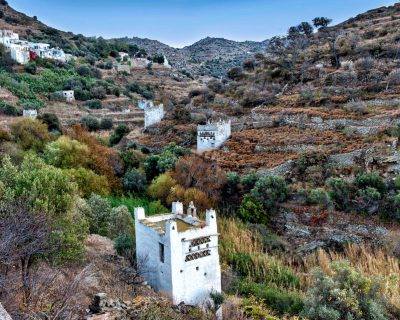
{"x": 209, "y": 56}
{"x": 306, "y": 188}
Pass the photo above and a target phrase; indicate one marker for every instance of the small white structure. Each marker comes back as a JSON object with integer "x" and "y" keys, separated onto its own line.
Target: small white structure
{"x": 140, "y": 63}
{"x": 30, "y": 113}
{"x": 40, "y": 49}
{"x": 123, "y": 68}
{"x": 178, "y": 255}
{"x": 166, "y": 63}
{"x": 152, "y": 113}
{"x": 68, "y": 95}
{"x": 20, "y": 53}
{"x": 212, "y": 135}
{"x": 123, "y": 55}
{"x": 7, "y": 37}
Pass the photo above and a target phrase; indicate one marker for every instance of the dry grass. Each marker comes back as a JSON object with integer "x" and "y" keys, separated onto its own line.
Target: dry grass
{"x": 373, "y": 263}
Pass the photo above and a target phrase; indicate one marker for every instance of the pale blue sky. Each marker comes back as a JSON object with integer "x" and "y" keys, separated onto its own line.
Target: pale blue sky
{"x": 182, "y": 22}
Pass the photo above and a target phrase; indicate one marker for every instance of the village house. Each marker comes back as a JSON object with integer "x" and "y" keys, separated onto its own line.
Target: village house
{"x": 123, "y": 55}
{"x": 212, "y": 135}
{"x": 30, "y": 113}
{"x": 23, "y": 51}
{"x": 178, "y": 253}
{"x": 69, "y": 95}
{"x": 152, "y": 113}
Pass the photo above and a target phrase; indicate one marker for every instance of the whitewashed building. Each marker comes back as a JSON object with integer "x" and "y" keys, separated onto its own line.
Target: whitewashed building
{"x": 178, "y": 255}
{"x": 212, "y": 135}
{"x": 152, "y": 113}
{"x": 19, "y": 51}
{"x": 7, "y": 37}
{"x": 68, "y": 95}
{"x": 30, "y": 113}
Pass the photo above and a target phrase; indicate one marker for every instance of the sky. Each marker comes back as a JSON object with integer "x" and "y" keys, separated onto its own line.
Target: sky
{"x": 183, "y": 22}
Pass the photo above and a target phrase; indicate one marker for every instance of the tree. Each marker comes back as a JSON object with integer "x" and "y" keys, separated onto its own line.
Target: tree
{"x": 119, "y": 132}
{"x": 106, "y": 124}
{"x": 25, "y": 238}
{"x": 67, "y": 153}
{"x": 51, "y": 120}
{"x": 161, "y": 187}
{"x": 30, "y": 134}
{"x": 340, "y": 192}
{"x": 91, "y": 123}
{"x": 134, "y": 181}
{"x": 321, "y": 22}
{"x": 306, "y": 28}
{"x": 48, "y": 190}
{"x": 293, "y": 33}
{"x": 88, "y": 182}
{"x": 121, "y": 223}
{"x": 235, "y": 73}
{"x": 193, "y": 171}
{"x": 98, "y": 215}
{"x": 270, "y": 191}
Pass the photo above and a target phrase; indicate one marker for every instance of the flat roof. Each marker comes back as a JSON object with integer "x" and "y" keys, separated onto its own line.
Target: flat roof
{"x": 183, "y": 223}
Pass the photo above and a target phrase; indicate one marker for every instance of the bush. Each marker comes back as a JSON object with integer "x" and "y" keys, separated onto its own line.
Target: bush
{"x": 120, "y": 223}
{"x": 119, "y": 132}
{"x": 270, "y": 191}
{"x": 134, "y": 181}
{"x": 94, "y": 104}
{"x": 30, "y": 134}
{"x": 91, "y": 123}
{"x": 281, "y": 301}
{"x": 319, "y": 197}
{"x": 367, "y": 200}
{"x": 251, "y": 210}
{"x": 31, "y": 68}
{"x": 340, "y": 193}
{"x": 88, "y": 182}
{"x": 235, "y": 73}
{"x": 372, "y": 180}
{"x": 344, "y": 294}
{"x": 132, "y": 159}
{"x": 8, "y": 109}
{"x": 51, "y": 120}
{"x": 98, "y": 215}
{"x": 106, "y": 124}
{"x": 125, "y": 245}
{"x": 161, "y": 187}
{"x": 150, "y": 207}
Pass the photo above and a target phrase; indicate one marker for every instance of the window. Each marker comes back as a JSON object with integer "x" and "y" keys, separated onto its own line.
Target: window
{"x": 162, "y": 257}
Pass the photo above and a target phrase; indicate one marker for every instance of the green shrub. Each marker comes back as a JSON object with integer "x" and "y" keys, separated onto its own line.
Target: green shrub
{"x": 119, "y": 132}
{"x": 94, "y": 104}
{"x": 270, "y": 191}
{"x": 135, "y": 181}
{"x": 367, "y": 200}
{"x": 345, "y": 294}
{"x": 372, "y": 180}
{"x": 150, "y": 207}
{"x": 340, "y": 192}
{"x": 251, "y": 210}
{"x": 99, "y": 215}
{"x": 281, "y": 301}
{"x": 8, "y": 109}
{"x": 52, "y": 121}
{"x": 121, "y": 223}
{"x": 249, "y": 181}
{"x": 125, "y": 245}
{"x": 319, "y": 197}
{"x": 106, "y": 124}
{"x": 91, "y": 123}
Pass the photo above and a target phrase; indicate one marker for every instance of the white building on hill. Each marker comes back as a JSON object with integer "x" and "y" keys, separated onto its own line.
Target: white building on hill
{"x": 7, "y": 36}
{"x": 178, "y": 253}
{"x": 69, "y": 95}
{"x": 152, "y": 113}
{"x": 30, "y": 113}
{"x": 19, "y": 51}
{"x": 212, "y": 135}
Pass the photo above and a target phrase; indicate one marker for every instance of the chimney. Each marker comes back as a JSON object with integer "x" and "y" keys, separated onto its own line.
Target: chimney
{"x": 177, "y": 207}
{"x": 192, "y": 211}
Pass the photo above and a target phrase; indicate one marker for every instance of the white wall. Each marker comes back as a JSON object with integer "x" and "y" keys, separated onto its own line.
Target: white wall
{"x": 183, "y": 281}
{"x": 153, "y": 115}
{"x": 213, "y": 135}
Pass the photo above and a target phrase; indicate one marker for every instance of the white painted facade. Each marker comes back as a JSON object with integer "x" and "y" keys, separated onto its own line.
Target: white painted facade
{"x": 140, "y": 62}
{"x": 69, "y": 95}
{"x": 178, "y": 254}
{"x": 212, "y": 135}
{"x": 20, "y": 50}
{"x": 152, "y": 113}
{"x": 30, "y": 113}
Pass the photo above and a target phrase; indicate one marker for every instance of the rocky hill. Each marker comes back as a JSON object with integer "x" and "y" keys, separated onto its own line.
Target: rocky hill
{"x": 209, "y": 56}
